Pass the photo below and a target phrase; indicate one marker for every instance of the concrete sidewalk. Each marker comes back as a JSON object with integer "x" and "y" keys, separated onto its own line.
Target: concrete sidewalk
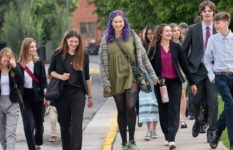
{"x": 184, "y": 140}
{"x": 98, "y": 127}
{"x": 94, "y": 136}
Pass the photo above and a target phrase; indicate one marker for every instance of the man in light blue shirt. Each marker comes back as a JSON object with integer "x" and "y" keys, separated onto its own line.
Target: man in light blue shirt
{"x": 218, "y": 60}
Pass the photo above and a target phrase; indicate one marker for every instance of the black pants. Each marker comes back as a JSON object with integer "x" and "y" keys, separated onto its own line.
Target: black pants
{"x": 169, "y": 113}
{"x": 70, "y": 109}
{"x": 33, "y": 118}
{"x": 206, "y": 91}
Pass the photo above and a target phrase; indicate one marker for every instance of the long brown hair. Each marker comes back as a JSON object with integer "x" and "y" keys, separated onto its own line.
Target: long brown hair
{"x": 157, "y": 39}
{"x": 6, "y": 52}
{"x": 79, "y": 52}
{"x": 24, "y": 50}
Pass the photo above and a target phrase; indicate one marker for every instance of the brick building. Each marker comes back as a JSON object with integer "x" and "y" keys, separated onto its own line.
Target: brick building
{"x": 84, "y": 20}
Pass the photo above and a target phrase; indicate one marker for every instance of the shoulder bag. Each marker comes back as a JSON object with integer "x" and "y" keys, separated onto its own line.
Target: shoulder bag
{"x": 140, "y": 76}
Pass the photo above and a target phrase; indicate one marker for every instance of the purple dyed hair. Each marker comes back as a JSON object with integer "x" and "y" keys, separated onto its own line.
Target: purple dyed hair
{"x": 110, "y": 33}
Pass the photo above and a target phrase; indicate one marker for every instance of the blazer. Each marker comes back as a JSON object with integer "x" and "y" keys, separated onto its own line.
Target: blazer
{"x": 40, "y": 74}
{"x": 193, "y": 46}
{"x": 179, "y": 59}
{"x": 58, "y": 64}
{"x": 14, "y": 97}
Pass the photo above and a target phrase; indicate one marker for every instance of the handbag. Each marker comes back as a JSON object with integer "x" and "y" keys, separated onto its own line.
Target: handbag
{"x": 54, "y": 89}
{"x": 141, "y": 77}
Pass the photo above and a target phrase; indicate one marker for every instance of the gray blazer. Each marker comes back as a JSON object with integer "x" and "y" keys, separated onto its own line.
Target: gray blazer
{"x": 142, "y": 59}
{"x": 193, "y": 46}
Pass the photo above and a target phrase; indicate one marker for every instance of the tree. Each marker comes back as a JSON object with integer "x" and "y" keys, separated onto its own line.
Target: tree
{"x": 150, "y": 12}
{"x": 20, "y": 23}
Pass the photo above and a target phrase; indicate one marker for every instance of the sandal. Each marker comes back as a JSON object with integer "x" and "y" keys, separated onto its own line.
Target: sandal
{"x": 52, "y": 139}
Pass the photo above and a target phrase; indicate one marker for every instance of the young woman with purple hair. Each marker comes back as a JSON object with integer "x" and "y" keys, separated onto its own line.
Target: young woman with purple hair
{"x": 117, "y": 75}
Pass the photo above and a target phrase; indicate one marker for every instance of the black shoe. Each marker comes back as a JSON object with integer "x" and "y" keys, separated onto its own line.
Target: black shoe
{"x": 191, "y": 117}
{"x": 214, "y": 140}
{"x": 202, "y": 129}
{"x": 196, "y": 129}
{"x": 209, "y": 136}
{"x": 231, "y": 145}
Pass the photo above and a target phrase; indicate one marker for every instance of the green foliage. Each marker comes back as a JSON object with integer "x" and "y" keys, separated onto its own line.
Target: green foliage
{"x": 41, "y": 19}
{"x": 19, "y": 23}
{"x": 59, "y": 27}
{"x": 150, "y": 12}
{"x": 224, "y": 136}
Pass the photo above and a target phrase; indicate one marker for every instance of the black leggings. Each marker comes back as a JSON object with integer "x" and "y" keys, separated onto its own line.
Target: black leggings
{"x": 125, "y": 103}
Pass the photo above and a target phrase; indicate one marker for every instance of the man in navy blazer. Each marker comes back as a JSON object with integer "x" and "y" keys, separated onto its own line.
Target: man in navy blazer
{"x": 194, "y": 45}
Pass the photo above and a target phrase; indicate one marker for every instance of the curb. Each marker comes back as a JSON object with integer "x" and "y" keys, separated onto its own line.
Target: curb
{"x": 111, "y": 135}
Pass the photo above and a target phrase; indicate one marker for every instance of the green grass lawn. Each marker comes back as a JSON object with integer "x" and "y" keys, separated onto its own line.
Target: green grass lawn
{"x": 224, "y": 136}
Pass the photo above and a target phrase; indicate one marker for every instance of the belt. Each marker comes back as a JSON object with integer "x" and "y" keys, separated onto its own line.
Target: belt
{"x": 224, "y": 73}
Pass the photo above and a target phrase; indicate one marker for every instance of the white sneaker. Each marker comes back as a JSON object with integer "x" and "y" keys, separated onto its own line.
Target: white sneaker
{"x": 154, "y": 135}
{"x": 172, "y": 145}
{"x": 148, "y": 136}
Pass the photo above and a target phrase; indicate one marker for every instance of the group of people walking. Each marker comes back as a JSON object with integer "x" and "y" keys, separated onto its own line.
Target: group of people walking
{"x": 24, "y": 85}
{"x": 201, "y": 56}
{"x": 170, "y": 56}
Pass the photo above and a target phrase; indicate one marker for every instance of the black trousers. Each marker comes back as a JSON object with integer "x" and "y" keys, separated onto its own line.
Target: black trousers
{"x": 33, "y": 118}
{"x": 206, "y": 91}
{"x": 169, "y": 113}
{"x": 70, "y": 108}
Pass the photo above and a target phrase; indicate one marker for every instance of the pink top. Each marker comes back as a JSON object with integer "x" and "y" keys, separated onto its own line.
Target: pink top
{"x": 168, "y": 70}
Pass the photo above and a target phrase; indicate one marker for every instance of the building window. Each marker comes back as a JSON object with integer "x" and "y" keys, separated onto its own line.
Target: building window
{"x": 87, "y": 29}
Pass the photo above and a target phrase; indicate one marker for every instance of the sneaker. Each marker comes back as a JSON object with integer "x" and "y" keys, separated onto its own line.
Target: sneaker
{"x": 133, "y": 146}
{"x": 154, "y": 135}
{"x": 148, "y": 136}
{"x": 183, "y": 124}
{"x": 124, "y": 147}
{"x": 172, "y": 145}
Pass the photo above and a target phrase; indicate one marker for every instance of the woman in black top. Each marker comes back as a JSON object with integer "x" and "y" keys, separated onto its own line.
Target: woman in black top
{"x": 71, "y": 65}
{"x": 167, "y": 58}
{"x": 35, "y": 83}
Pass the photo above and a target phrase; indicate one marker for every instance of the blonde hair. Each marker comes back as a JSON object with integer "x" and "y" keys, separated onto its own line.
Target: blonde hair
{"x": 6, "y": 52}
{"x": 24, "y": 50}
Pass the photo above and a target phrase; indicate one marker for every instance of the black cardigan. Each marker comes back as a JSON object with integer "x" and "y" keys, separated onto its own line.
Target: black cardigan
{"x": 179, "y": 59}
{"x": 40, "y": 74}
{"x": 58, "y": 64}
{"x": 14, "y": 97}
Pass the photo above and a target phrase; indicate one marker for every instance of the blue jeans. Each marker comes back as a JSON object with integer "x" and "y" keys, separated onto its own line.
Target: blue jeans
{"x": 224, "y": 85}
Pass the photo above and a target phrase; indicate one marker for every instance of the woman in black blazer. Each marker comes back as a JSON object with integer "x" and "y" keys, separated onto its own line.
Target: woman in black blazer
{"x": 166, "y": 59}
{"x": 71, "y": 65}
{"x": 10, "y": 80}
{"x": 35, "y": 83}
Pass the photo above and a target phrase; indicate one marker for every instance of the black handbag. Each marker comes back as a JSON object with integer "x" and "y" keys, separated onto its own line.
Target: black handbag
{"x": 140, "y": 76}
{"x": 54, "y": 89}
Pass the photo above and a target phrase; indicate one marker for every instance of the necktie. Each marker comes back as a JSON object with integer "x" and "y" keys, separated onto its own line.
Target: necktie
{"x": 207, "y": 35}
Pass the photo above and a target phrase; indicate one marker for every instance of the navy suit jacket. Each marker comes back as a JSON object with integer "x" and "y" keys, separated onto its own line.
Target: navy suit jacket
{"x": 193, "y": 46}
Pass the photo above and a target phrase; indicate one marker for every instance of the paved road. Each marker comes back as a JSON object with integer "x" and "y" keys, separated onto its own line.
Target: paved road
{"x": 88, "y": 114}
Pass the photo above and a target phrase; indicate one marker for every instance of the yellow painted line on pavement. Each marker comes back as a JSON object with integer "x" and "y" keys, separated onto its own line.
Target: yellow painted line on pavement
{"x": 111, "y": 135}
{"x": 94, "y": 70}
